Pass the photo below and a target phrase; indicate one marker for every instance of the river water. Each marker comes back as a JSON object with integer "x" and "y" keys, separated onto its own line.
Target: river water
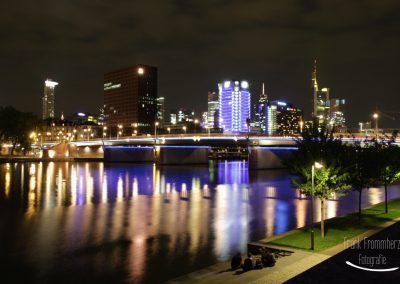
{"x": 95, "y": 222}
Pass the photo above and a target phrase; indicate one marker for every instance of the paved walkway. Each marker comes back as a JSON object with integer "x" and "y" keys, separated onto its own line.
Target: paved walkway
{"x": 336, "y": 270}
{"x": 285, "y": 268}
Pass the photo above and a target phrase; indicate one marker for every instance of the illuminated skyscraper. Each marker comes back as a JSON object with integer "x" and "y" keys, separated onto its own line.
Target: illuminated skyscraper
{"x": 130, "y": 97}
{"x": 282, "y": 119}
{"x": 212, "y": 111}
{"x": 48, "y": 99}
{"x": 337, "y": 117}
{"x": 320, "y": 99}
{"x": 234, "y": 105}
{"x": 161, "y": 110}
{"x": 261, "y": 111}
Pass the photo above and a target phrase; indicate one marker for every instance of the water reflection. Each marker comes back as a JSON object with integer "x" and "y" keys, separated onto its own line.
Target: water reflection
{"x": 142, "y": 222}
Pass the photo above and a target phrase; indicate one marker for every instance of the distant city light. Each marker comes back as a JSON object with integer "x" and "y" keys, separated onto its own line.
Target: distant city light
{"x": 282, "y": 104}
{"x": 81, "y": 114}
{"x": 140, "y": 71}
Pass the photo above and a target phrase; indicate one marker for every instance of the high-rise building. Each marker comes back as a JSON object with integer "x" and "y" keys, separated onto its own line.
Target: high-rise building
{"x": 320, "y": 99}
{"x": 337, "y": 111}
{"x": 48, "y": 108}
{"x": 181, "y": 116}
{"x": 234, "y": 106}
{"x": 282, "y": 119}
{"x": 212, "y": 111}
{"x": 130, "y": 97}
{"x": 261, "y": 111}
{"x": 161, "y": 110}
{"x": 204, "y": 119}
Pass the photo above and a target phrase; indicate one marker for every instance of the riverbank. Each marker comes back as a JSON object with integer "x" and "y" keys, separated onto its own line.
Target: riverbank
{"x": 14, "y": 159}
{"x": 340, "y": 228}
{"x": 344, "y": 228}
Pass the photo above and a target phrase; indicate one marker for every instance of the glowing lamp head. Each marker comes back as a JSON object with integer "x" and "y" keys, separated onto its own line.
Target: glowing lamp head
{"x": 375, "y": 116}
{"x": 318, "y": 165}
{"x": 140, "y": 71}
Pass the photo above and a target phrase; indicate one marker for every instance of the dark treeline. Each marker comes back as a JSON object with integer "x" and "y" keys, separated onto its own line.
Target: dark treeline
{"x": 16, "y": 128}
{"x": 345, "y": 166}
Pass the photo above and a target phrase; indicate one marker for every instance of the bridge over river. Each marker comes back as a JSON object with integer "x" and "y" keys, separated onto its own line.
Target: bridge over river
{"x": 262, "y": 152}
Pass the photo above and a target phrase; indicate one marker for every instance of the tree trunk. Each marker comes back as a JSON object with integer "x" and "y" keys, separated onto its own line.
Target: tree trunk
{"x": 386, "y": 205}
{"x": 322, "y": 218}
{"x": 359, "y": 202}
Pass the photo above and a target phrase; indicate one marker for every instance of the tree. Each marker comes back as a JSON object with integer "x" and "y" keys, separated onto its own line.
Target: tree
{"x": 328, "y": 180}
{"x": 318, "y": 144}
{"x": 16, "y": 126}
{"x": 358, "y": 161}
{"x": 387, "y": 165}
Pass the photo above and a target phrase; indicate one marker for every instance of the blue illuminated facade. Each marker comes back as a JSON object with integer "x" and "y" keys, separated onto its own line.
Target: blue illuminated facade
{"x": 234, "y": 106}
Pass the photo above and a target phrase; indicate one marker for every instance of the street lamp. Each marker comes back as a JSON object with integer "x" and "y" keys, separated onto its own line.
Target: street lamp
{"x": 196, "y": 121}
{"x": 169, "y": 130}
{"x": 301, "y": 126}
{"x": 376, "y": 116}
{"x": 104, "y": 131}
{"x": 119, "y": 130}
{"x": 318, "y": 166}
{"x": 184, "y": 129}
{"x": 155, "y": 132}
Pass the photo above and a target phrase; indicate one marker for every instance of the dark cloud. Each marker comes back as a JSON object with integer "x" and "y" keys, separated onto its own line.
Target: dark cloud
{"x": 198, "y": 43}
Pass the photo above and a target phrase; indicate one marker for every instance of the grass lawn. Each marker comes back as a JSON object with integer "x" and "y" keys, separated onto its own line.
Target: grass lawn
{"x": 339, "y": 228}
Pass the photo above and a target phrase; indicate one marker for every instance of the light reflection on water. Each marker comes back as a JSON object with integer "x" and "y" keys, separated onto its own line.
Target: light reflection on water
{"x": 142, "y": 222}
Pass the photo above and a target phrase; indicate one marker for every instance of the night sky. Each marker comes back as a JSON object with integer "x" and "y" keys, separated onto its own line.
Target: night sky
{"x": 195, "y": 44}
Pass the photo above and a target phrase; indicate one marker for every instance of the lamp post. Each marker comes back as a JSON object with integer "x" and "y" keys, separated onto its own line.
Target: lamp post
{"x": 209, "y": 130}
{"x": 196, "y": 121}
{"x": 135, "y": 126}
{"x": 104, "y": 132}
{"x": 318, "y": 166}
{"x": 376, "y": 116}
{"x": 169, "y": 130}
{"x": 155, "y": 132}
{"x": 119, "y": 133}
{"x": 184, "y": 129}
{"x": 301, "y": 126}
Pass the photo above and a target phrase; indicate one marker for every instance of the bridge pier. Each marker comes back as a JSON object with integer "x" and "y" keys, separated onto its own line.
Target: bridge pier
{"x": 268, "y": 157}
{"x": 162, "y": 154}
{"x": 135, "y": 154}
{"x": 174, "y": 155}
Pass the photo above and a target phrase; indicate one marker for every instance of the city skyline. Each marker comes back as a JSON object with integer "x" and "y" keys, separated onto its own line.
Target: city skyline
{"x": 194, "y": 47}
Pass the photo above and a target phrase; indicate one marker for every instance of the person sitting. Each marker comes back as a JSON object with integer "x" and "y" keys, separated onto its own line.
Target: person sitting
{"x": 248, "y": 263}
{"x": 236, "y": 261}
{"x": 268, "y": 259}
